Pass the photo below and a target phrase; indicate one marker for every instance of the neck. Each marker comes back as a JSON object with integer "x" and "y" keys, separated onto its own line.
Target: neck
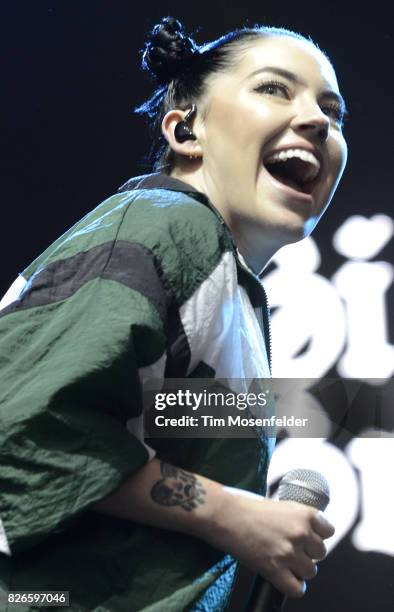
{"x": 256, "y": 245}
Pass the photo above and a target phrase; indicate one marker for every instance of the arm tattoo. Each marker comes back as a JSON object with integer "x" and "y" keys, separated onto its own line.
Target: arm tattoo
{"x": 177, "y": 488}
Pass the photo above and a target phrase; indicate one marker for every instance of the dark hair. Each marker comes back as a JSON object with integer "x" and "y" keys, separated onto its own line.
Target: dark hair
{"x": 181, "y": 69}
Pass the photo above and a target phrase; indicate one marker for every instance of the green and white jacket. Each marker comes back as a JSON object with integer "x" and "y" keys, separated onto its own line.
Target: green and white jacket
{"x": 148, "y": 284}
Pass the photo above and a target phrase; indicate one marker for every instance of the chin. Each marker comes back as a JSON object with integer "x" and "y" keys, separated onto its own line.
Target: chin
{"x": 288, "y": 233}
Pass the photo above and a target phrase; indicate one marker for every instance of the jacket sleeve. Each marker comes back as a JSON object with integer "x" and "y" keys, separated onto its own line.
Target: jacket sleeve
{"x": 71, "y": 348}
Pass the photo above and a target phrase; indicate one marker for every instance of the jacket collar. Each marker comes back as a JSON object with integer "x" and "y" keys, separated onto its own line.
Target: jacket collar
{"x": 159, "y": 180}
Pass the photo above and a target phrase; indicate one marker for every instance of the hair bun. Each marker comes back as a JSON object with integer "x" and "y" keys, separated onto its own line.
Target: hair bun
{"x": 167, "y": 50}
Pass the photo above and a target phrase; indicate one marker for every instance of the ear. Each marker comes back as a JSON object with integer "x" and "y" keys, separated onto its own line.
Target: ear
{"x": 187, "y": 148}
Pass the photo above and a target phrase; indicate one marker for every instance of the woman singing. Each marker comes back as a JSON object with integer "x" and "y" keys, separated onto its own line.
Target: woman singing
{"x": 162, "y": 281}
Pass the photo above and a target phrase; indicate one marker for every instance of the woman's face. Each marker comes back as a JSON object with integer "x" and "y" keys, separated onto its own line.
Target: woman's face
{"x": 272, "y": 145}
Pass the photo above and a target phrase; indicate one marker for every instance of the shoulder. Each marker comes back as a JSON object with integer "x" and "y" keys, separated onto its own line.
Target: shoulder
{"x": 171, "y": 205}
{"x": 178, "y": 215}
{"x": 172, "y": 231}
{"x": 98, "y": 227}
{"x": 184, "y": 235}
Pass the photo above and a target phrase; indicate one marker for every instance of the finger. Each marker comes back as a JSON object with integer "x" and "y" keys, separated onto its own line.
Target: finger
{"x": 304, "y": 567}
{"x": 315, "y": 548}
{"x": 322, "y": 526}
{"x": 288, "y": 584}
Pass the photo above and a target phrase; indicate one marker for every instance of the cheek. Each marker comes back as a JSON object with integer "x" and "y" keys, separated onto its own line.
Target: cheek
{"x": 344, "y": 154}
{"x": 337, "y": 160}
{"x": 338, "y": 155}
{"x": 236, "y": 123}
{"x": 222, "y": 118}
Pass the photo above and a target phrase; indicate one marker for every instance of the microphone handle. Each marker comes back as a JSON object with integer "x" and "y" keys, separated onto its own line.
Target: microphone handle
{"x": 265, "y": 598}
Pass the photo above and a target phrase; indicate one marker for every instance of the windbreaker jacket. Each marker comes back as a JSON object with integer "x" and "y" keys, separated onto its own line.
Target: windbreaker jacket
{"x": 149, "y": 284}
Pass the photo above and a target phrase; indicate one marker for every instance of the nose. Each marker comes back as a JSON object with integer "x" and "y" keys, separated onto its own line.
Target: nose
{"x": 312, "y": 121}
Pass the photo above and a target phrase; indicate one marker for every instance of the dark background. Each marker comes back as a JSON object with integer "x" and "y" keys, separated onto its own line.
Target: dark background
{"x": 70, "y": 80}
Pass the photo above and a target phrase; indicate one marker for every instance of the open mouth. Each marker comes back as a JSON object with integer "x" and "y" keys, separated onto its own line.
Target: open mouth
{"x": 295, "y": 168}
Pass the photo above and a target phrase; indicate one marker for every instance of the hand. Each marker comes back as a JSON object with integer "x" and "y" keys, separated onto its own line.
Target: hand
{"x": 278, "y": 539}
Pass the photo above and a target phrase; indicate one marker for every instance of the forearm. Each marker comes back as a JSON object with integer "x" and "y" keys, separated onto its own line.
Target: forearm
{"x": 168, "y": 497}
{"x": 276, "y": 539}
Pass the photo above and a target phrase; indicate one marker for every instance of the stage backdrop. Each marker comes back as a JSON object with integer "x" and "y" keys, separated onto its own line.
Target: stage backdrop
{"x": 70, "y": 82}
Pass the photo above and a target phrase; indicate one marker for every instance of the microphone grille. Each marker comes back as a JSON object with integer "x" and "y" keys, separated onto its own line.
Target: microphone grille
{"x": 305, "y": 487}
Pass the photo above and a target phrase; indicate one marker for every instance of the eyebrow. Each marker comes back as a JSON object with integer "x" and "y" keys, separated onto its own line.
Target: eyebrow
{"x": 290, "y": 76}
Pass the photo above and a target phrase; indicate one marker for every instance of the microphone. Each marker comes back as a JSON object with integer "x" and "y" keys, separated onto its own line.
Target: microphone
{"x": 305, "y": 487}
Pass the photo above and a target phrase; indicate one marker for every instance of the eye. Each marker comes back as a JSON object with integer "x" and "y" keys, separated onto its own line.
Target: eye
{"x": 274, "y": 88}
{"x": 334, "y": 111}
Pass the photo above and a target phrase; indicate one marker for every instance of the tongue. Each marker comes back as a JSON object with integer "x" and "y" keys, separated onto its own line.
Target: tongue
{"x": 286, "y": 181}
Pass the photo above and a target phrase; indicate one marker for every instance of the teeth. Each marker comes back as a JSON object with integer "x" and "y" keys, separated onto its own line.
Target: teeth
{"x": 306, "y": 156}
